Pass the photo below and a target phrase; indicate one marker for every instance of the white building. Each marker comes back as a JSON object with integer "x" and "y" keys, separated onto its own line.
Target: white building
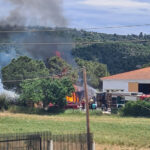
{"x": 133, "y": 81}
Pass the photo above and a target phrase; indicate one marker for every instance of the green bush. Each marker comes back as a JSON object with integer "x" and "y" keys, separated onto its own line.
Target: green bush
{"x": 26, "y": 110}
{"x": 32, "y": 110}
{"x": 51, "y": 111}
{"x": 3, "y": 102}
{"x": 114, "y": 110}
{"x": 136, "y": 109}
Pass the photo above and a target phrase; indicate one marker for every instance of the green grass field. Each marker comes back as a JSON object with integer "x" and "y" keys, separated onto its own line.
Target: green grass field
{"x": 108, "y": 130}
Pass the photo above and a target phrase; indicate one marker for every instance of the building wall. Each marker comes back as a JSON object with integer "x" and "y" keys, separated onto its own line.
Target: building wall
{"x": 133, "y": 86}
{"x": 121, "y": 84}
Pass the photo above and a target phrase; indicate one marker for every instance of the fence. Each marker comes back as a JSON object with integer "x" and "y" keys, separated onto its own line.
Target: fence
{"x": 44, "y": 141}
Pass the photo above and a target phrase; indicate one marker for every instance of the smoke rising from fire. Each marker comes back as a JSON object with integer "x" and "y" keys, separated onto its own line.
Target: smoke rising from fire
{"x": 5, "y": 58}
{"x": 35, "y": 13}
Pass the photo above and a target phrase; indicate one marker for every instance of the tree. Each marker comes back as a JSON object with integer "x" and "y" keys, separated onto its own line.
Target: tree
{"x": 146, "y": 65}
{"x": 32, "y": 91}
{"x": 47, "y": 90}
{"x": 57, "y": 66}
{"x": 141, "y": 35}
{"x": 21, "y": 69}
{"x": 119, "y": 56}
{"x": 95, "y": 70}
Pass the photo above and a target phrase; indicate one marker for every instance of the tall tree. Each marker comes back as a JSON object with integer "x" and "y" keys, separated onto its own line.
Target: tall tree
{"x": 21, "y": 69}
{"x": 58, "y": 66}
{"x": 119, "y": 56}
{"x": 47, "y": 90}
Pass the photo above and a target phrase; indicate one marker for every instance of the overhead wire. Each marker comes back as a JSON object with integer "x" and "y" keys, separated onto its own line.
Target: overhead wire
{"x": 125, "y": 26}
{"x": 67, "y": 29}
{"x": 56, "y": 76}
{"x": 72, "y": 43}
{"x": 71, "y": 28}
{"x": 31, "y": 79}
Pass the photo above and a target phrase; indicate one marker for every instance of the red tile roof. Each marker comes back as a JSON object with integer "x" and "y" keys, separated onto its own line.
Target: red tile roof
{"x": 140, "y": 74}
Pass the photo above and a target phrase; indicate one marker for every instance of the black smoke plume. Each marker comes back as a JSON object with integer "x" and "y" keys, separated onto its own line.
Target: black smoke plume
{"x": 35, "y": 13}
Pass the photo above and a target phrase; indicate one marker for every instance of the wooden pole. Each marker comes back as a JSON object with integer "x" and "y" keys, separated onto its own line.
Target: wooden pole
{"x": 87, "y": 108}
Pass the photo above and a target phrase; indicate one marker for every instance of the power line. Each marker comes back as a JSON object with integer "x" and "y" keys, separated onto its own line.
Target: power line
{"x": 56, "y": 76}
{"x": 69, "y": 29}
{"x": 75, "y": 43}
{"x": 40, "y": 43}
{"x": 126, "y": 26}
{"x": 36, "y": 43}
{"x": 32, "y": 79}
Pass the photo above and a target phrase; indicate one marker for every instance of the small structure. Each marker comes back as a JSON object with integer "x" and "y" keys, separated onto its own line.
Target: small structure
{"x": 133, "y": 81}
{"x": 77, "y": 96}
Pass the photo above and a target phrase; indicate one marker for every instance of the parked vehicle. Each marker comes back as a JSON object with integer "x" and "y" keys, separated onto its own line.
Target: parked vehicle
{"x": 71, "y": 105}
{"x": 115, "y": 99}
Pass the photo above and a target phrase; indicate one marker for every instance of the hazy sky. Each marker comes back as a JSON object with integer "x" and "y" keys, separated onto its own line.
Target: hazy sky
{"x": 99, "y": 13}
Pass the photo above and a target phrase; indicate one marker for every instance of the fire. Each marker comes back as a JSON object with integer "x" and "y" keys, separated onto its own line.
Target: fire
{"x": 73, "y": 98}
{"x": 58, "y": 54}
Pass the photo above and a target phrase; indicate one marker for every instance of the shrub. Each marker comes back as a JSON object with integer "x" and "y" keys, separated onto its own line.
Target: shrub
{"x": 114, "y": 110}
{"x": 32, "y": 110}
{"x": 136, "y": 109}
{"x": 26, "y": 110}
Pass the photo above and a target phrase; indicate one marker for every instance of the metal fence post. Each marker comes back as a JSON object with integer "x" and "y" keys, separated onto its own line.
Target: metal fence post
{"x": 51, "y": 145}
{"x": 93, "y": 145}
{"x": 40, "y": 143}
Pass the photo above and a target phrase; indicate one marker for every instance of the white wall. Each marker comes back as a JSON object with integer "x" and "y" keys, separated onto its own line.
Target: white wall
{"x": 115, "y": 85}
{"x": 119, "y": 84}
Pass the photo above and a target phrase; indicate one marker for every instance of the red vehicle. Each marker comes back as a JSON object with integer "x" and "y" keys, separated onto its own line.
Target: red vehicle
{"x": 71, "y": 105}
{"x": 143, "y": 97}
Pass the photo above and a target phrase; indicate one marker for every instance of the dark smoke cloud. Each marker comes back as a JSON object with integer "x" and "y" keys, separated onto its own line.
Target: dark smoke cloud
{"x": 35, "y": 12}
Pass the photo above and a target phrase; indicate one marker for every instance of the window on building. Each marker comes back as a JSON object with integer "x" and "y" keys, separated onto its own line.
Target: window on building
{"x": 144, "y": 88}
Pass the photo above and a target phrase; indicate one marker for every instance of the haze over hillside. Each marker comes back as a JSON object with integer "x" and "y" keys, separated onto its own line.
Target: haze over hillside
{"x": 121, "y": 53}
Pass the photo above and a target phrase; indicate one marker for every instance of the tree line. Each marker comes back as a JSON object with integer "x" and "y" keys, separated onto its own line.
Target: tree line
{"x": 50, "y": 81}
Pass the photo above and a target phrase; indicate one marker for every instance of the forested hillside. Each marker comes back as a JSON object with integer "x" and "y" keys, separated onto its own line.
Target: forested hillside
{"x": 119, "y": 57}
{"x": 120, "y": 52}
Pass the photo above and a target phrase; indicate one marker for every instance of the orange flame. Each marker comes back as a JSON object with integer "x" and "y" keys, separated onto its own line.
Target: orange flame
{"x": 73, "y": 98}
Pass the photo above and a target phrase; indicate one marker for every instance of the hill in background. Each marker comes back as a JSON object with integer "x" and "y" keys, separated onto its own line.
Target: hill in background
{"x": 120, "y": 52}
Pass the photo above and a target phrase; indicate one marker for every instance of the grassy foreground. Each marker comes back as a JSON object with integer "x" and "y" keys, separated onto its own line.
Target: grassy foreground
{"x": 108, "y": 130}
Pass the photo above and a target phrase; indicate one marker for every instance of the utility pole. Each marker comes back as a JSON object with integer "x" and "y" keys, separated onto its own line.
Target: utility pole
{"x": 87, "y": 109}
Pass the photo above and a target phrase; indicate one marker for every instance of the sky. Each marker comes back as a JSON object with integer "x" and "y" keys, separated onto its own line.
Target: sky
{"x": 99, "y": 13}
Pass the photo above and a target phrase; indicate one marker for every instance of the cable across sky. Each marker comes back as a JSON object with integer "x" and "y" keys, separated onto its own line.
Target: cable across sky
{"x": 69, "y": 28}
{"x": 56, "y": 76}
{"x": 73, "y": 43}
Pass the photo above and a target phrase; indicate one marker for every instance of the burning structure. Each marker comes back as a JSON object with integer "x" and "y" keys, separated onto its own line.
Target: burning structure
{"x": 77, "y": 96}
